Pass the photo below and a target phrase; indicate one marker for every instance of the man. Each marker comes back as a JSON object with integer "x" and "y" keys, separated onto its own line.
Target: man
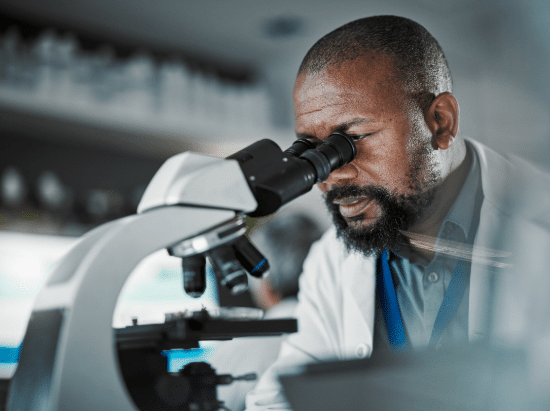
{"x": 285, "y": 241}
{"x": 412, "y": 213}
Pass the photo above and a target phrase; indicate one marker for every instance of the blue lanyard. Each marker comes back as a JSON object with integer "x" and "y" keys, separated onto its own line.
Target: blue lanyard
{"x": 388, "y": 302}
{"x": 390, "y": 307}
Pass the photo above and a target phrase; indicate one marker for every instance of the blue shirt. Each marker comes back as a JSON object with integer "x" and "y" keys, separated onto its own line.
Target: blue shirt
{"x": 421, "y": 285}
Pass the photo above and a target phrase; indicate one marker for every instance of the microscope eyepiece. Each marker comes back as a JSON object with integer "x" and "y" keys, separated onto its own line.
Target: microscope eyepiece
{"x": 333, "y": 153}
{"x": 339, "y": 150}
{"x": 300, "y": 146}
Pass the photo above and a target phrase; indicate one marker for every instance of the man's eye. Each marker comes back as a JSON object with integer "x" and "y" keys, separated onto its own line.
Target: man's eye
{"x": 358, "y": 137}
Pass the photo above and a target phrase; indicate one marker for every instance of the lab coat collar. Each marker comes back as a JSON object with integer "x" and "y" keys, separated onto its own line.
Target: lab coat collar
{"x": 495, "y": 170}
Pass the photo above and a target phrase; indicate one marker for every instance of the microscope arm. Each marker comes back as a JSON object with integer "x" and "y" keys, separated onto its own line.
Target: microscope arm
{"x": 69, "y": 359}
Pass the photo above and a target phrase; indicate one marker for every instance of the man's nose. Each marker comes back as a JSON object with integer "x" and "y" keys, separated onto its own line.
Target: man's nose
{"x": 339, "y": 176}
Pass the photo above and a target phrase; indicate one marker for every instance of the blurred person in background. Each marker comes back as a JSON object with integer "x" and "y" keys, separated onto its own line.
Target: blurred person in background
{"x": 285, "y": 241}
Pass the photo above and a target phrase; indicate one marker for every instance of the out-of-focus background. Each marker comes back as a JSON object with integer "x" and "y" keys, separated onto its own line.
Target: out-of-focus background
{"x": 95, "y": 95}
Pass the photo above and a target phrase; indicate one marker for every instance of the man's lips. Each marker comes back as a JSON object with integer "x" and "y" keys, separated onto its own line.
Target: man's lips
{"x": 353, "y": 206}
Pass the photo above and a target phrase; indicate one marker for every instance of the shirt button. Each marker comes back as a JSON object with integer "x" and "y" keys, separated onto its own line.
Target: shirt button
{"x": 362, "y": 350}
{"x": 433, "y": 277}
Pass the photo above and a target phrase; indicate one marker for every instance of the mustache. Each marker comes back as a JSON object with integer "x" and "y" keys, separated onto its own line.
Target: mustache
{"x": 352, "y": 190}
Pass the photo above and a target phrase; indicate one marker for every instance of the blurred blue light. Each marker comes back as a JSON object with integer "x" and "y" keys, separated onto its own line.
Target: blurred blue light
{"x": 177, "y": 359}
{"x": 10, "y": 355}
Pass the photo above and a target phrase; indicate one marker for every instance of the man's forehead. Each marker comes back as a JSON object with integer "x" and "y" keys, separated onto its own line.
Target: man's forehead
{"x": 318, "y": 92}
{"x": 352, "y": 77}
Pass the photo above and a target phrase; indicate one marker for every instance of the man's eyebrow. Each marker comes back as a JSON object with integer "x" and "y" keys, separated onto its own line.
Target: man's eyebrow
{"x": 343, "y": 127}
{"x": 356, "y": 121}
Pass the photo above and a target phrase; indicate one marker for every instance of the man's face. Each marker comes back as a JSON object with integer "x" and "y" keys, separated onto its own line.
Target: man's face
{"x": 392, "y": 179}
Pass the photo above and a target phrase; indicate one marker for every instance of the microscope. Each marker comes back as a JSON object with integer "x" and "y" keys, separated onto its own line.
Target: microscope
{"x": 194, "y": 207}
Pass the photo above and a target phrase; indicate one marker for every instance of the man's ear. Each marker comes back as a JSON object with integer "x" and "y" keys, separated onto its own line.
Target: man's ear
{"x": 442, "y": 120}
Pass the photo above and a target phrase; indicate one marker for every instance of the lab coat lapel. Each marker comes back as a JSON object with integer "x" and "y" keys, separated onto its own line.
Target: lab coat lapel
{"x": 494, "y": 172}
{"x": 359, "y": 305}
{"x": 482, "y": 275}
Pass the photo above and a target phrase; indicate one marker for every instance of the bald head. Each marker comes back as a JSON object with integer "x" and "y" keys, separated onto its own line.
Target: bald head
{"x": 418, "y": 57}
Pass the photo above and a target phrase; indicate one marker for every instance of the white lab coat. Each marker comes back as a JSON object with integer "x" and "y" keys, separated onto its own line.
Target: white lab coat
{"x": 337, "y": 292}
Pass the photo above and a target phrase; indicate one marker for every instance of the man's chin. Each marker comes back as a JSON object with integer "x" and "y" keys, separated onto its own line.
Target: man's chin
{"x": 357, "y": 234}
{"x": 366, "y": 235}
{"x": 360, "y": 221}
